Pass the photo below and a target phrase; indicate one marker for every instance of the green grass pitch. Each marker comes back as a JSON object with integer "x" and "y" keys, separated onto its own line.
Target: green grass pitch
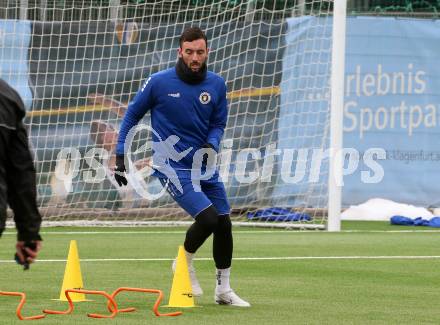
{"x": 370, "y": 273}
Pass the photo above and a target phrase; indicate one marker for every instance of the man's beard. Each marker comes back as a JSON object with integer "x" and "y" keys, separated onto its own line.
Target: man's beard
{"x": 186, "y": 74}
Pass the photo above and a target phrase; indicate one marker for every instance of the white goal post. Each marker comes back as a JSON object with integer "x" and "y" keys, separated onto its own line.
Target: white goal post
{"x": 337, "y": 115}
{"x": 78, "y": 63}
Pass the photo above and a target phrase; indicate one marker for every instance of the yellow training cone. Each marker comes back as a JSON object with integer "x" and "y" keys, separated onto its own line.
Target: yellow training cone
{"x": 181, "y": 291}
{"x": 72, "y": 275}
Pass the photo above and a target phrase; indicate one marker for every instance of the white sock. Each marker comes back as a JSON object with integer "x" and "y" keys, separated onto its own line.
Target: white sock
{"x": 189, "y": 258}
{"x": 222, "y": 276}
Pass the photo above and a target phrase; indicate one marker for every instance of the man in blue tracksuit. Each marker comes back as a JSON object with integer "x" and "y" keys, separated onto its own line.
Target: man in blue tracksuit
{"x": 188, "y": 115}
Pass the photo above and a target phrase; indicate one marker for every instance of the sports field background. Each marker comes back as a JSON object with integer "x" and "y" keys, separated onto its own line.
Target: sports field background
{"x": 370, "y": 273}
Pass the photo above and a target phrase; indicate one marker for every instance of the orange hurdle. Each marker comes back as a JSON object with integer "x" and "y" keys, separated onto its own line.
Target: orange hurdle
{"x": 90, "y": 292}
{"x": 20, "y": 305}
{"x": 155, "y": 307}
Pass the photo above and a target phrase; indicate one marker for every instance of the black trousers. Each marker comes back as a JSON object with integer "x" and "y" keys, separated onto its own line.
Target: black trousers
{"x": 17, "y": 178}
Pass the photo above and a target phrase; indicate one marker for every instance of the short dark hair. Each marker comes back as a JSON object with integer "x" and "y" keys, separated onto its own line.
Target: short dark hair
{"x": 191, "y": 34}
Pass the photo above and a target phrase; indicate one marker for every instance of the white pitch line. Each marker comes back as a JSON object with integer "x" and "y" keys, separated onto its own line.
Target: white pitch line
{"x": 235, "y": 232}
{"x": 102, "y": 232}
{"x": 152, "y": 232}
{"x": 280, "y": 258}
{"x": 391, "y": 231}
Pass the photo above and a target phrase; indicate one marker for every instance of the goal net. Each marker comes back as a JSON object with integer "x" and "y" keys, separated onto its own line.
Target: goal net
{"x": 77, "y": 64}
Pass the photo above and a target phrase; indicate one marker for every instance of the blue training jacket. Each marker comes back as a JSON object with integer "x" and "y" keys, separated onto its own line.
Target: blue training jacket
{"x": 196, "y": 114}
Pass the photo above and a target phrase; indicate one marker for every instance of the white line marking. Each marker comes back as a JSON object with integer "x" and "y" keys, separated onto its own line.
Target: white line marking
{"x": 235, "y": 232}
{"x": 280, "y": 258}
{"x": 101, "y": 232}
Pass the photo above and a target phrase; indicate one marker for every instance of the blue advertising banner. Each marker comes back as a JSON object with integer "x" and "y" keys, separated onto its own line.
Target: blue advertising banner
{"x": 15, "y": 36}
{"x": 392, "y": 90}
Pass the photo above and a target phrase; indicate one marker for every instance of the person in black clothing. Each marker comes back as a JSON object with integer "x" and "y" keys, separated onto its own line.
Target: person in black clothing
{"x": 17, "y": 176}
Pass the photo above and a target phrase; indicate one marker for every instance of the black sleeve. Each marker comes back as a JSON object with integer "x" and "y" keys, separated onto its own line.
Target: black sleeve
{"x": 22, "y": 193}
